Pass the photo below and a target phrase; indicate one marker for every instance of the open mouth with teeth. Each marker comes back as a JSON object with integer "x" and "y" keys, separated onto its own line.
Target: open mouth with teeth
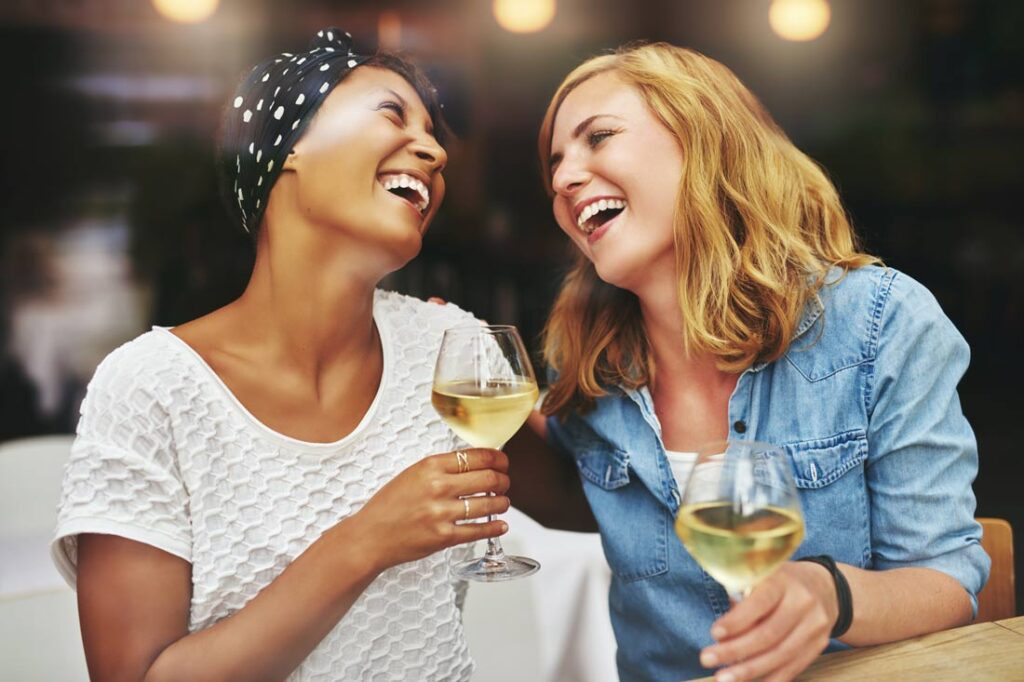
{"x": 407, "y": 187}
{"x": 598, "y": 213}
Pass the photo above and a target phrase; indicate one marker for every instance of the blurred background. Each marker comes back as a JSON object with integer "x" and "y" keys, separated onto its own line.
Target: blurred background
{"x": 110, "y": 220}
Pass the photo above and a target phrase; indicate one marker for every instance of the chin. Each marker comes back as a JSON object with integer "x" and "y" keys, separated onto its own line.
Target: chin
{"x": 403, "y": 248}
{"x": 614, "y": 273}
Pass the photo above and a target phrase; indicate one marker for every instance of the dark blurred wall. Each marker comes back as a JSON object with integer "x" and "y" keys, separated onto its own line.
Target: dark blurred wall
{"x": 916, "y": 109}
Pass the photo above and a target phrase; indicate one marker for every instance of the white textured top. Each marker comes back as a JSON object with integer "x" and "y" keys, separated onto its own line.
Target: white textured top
{"x": 166, "y": 455}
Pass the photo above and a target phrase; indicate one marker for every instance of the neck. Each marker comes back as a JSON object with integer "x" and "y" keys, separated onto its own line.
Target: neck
{"x": 663, "y": 322}
{"x": 309, "y": 304}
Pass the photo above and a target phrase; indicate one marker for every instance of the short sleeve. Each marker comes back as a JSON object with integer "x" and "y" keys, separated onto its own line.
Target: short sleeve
{"x": 122, "y": 477}
{"x": 923, "y": 455}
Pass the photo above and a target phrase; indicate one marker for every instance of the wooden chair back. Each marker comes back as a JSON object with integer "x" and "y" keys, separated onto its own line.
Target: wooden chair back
{"x": 997, "y": 600}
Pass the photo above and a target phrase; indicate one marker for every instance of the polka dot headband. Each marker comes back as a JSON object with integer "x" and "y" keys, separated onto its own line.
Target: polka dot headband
{"x": 271, "y": 110}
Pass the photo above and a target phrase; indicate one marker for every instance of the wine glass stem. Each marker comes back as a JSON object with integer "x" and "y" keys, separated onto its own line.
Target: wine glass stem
{"x": 494, "y": 551}
{"x": 740, "y": 594}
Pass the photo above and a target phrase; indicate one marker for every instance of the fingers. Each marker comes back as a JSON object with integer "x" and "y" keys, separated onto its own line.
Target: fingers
{"x": 783, "y": 662}
{"x": 766, "y": 636}
{"x": 471, "y": 459}
{"x": 778, "y": 630}
{"x": 469, "y": 508}
{"x": 471, "y": 532}
{"x": 747, "y": 613}
{"x": 436, "y": 299}
{"x": 484, "y": 481}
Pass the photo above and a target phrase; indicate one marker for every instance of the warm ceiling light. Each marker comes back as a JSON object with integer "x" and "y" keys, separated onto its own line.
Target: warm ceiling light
{"x": 799, "y": 19}
{"x": 186, "y": 11}
{"x": 524, "y": 16}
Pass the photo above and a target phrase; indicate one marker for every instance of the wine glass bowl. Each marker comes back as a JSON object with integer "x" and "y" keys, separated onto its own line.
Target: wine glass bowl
{"x": 484, "y": 389}
{"x": 740, "y": 515}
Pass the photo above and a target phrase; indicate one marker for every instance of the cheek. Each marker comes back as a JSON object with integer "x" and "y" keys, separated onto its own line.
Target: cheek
{"x": 563, "y": 218}
{"x": 653, "y": 189}
{"x": 440, "y": 188}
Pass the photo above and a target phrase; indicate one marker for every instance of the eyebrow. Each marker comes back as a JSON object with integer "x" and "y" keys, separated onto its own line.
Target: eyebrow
{"x": 576, "y": 132}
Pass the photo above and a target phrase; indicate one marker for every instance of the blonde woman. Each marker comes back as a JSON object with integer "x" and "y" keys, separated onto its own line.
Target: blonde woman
{"x": 719, "y": 291}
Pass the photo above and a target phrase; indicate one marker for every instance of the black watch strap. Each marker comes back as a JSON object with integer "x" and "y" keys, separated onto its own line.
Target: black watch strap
{"x": 843, "y": 596}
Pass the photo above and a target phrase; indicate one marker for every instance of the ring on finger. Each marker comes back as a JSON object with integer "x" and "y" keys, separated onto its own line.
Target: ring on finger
{"x": 463, "y": 460}
{"x": 465, "y": 504}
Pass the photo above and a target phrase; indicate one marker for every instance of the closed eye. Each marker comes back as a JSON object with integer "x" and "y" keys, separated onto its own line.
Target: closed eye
{"x": 396, "y": 107}
{"x": 596, "y": 137}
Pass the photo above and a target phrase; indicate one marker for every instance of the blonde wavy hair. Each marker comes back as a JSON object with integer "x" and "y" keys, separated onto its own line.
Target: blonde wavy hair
{"x": 762, "y": 227}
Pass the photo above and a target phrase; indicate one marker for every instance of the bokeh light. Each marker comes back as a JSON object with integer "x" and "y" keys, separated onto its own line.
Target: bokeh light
{"x": 524, "y": 16}
{"x": 186, "y": 11}
{"x": 799, "y": 20}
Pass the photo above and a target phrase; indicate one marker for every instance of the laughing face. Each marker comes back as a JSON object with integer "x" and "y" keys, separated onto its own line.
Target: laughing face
{"x": 615, "y": 173}
{"x": 368, "y": 169}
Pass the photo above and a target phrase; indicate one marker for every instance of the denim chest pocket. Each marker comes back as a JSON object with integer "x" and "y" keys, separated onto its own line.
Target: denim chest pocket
{"x": 830, "y": 479}
{"x": 634, "y": 525}
{"x": 605, "y": 466}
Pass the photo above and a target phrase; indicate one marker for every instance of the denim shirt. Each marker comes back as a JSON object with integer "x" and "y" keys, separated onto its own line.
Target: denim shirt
{"x": 864, "y": 403}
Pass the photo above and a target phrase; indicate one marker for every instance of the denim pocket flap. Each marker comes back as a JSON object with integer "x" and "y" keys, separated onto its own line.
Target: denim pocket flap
{"x": 604, "y": 466}
{"x": 817, "y": 463}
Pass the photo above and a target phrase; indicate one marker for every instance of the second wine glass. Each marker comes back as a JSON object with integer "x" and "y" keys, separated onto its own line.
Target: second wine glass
{"x": 740, "y": 514}
{"x": 484, "y": 389}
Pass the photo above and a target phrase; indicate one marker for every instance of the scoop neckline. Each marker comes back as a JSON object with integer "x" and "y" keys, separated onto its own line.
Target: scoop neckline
{"x": 383, "y": 331}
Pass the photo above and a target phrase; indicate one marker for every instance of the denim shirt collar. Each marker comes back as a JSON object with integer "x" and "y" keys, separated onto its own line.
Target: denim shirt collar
{"x": 654, "y": 472}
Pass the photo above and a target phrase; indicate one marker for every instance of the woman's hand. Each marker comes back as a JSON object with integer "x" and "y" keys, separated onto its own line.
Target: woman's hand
{"x": 421, "y": 510}
{"x": 778, "y": 630}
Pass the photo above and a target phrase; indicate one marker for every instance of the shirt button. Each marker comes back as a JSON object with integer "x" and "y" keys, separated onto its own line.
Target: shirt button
{"x": 739, "y": 426}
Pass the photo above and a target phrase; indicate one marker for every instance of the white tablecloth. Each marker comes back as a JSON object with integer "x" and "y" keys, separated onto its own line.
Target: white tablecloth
{"x": 551, "y": 626}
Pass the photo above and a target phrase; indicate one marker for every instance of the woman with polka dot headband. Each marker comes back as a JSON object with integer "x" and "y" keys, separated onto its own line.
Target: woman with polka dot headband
{"x": 252, "y": 494}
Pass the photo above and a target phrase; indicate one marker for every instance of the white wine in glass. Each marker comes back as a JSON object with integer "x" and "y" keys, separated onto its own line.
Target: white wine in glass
{"x": 484, "y": 389}
{"x": 487, "y": 415}
{"x": 740, "y": 515}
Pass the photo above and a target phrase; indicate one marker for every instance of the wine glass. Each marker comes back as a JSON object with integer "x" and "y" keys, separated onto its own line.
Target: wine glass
{"x": 484, "y": 389}
{"x": 740, "y": 515}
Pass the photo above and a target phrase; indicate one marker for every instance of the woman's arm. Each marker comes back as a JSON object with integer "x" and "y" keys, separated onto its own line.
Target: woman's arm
{"x": 134, "y": 599}
{"x": 547, "y": 485}
{"x": 927, "y": 563}
{"x": 784, "y": 624}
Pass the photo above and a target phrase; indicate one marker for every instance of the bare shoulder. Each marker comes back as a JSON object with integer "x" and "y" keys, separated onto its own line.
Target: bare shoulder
{"x": 211, "y": 333}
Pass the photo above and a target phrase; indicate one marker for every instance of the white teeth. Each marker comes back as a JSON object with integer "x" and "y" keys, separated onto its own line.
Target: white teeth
{"x": 593, "y": 208}
{"x": 395, "y": 180}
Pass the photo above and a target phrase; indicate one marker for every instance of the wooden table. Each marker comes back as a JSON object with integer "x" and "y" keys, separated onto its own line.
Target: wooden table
{"x": 985, "y": 651}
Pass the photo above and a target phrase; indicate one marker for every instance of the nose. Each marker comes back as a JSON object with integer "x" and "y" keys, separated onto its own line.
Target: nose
{"x": 569, "y": 177}
{"x": 427, "y": 149}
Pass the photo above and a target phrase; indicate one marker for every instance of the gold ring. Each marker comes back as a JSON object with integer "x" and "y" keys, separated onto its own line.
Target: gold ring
{"x": 465, "y": 503}
{"x": 463, "y": 460}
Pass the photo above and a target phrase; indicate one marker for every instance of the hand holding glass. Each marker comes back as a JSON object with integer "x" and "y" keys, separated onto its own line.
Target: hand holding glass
{"x": 484, "y": 389}
{"x": 740, "y": 515}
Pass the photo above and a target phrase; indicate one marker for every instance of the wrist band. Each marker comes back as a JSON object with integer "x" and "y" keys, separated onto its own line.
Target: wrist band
{"x": 843, "y": 596}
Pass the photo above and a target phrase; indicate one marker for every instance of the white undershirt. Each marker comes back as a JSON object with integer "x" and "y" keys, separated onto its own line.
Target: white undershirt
{"x": 681, "y": 464}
